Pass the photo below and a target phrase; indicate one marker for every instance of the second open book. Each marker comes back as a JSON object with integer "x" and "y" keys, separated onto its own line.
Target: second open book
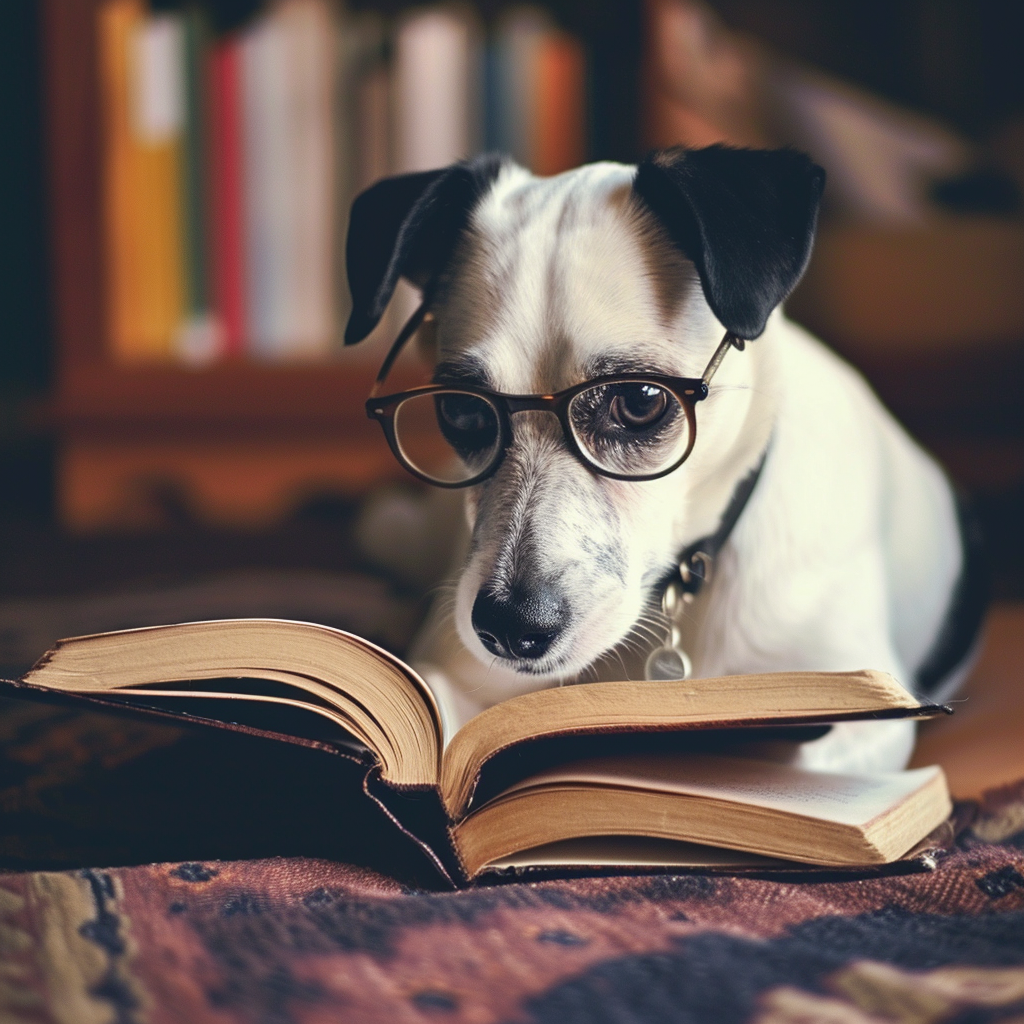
{"x": 631, "y": 774}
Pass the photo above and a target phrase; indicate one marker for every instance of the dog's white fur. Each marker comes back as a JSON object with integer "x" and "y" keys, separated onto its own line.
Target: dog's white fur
{"x": 846, "y": 554}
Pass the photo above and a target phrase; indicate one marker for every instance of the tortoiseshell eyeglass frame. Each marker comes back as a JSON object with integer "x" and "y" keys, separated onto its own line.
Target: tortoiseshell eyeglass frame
{"x": 687, "y": 390}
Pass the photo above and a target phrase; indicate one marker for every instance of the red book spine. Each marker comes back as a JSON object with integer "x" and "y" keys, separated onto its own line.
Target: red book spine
{"x": 227, "y": 191}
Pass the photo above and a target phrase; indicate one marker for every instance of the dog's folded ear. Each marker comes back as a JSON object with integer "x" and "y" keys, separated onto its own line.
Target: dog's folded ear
{"x": 746, "y": 219}
{"x": 408, "y": 226}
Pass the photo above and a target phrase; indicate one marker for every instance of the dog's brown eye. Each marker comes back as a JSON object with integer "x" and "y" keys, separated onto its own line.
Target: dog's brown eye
{"x": 638, "y": 406}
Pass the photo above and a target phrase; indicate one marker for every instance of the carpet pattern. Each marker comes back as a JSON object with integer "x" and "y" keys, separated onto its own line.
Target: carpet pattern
{"x": 283, "y": 940}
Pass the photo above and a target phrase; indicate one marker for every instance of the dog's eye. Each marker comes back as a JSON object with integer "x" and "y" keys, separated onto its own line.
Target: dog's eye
{"x": 465, "y": 414}
{"x": 469, "y": 424}
{"x": 637, "y": 406}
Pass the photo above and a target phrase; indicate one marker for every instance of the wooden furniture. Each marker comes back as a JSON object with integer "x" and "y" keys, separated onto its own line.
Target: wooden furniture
{"x": 237, "y": 443}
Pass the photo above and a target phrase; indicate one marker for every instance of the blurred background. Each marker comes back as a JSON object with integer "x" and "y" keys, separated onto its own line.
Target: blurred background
{"x": 181, "y": 433}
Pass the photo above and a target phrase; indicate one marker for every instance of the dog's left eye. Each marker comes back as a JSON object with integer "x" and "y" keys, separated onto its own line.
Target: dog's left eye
{"x": 637, "y": 406}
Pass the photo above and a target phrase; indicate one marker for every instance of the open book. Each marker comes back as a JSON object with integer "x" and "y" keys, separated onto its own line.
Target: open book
{"x": 666, "y": 773}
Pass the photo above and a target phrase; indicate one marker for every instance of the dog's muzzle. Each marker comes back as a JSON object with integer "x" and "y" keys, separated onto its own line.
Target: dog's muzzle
{"x": 519, "y": 629}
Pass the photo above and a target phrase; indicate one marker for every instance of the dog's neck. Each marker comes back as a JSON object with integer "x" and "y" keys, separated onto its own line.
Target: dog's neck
{"x": 696, "y": 561}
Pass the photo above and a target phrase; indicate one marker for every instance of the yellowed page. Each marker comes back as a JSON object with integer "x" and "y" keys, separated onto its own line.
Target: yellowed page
{"x": 393, "y": 708}
{"x": 764, "y": 698}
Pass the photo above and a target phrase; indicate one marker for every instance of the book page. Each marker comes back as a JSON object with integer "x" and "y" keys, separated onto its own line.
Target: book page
{"x": 827, "y": 796}
{"x": 757, "y": 807}
{"x": 661, "y": 705}
{"x": 370, "y": 692}
{"x": 633, "y": 852}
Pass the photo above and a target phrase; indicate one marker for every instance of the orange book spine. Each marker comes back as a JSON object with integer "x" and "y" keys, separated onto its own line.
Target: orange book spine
{"x": 142, "y": 200}
{"x": 560, "y": 119}
{"x": 117, "y": 21}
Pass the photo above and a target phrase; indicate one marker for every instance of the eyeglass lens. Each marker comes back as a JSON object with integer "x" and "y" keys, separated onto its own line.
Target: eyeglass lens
{"x": 630, "y": 428}
{"x": 450, "y": 436}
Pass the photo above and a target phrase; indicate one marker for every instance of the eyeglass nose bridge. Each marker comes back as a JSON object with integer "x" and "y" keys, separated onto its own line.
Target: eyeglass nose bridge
{"x": 553, "y": 405}
{"x": 531, "y": 403}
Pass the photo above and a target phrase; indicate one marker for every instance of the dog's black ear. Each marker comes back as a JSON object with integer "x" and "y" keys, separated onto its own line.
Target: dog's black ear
{"x": 745, "y": 217}
{"x": 407, "y": 226}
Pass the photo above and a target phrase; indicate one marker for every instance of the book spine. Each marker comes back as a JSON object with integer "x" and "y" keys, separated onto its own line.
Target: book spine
{"x": 265, "y": 122}
{"x": 200, "y": 339}
{"x": 226, "y": 207}
{"x": 438, "y": 87}
{"x": 156, "y": 120}
{"x": 141, "y": 76}
{"x": 560, "y": 118}
{"x": 518, "y": 40}
{"x": 363, "y": 136}
{"x": 309, "y": 69}
{"x": 116, "y": 23}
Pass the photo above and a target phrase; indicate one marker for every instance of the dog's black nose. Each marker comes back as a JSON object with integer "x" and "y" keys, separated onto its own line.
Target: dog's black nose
{"x": 516, "y": 628}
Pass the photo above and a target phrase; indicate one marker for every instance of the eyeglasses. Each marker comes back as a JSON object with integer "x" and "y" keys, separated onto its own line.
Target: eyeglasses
{"x": 627, "y": 426}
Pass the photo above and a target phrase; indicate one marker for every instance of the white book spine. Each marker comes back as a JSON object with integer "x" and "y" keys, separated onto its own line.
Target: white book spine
{"x": 267, "y": 203}
{"x": 158, "y": 82}
{"x": 438, "y": 86}
{"x": 520, "y": 34}
{"x": 311, "y": 60}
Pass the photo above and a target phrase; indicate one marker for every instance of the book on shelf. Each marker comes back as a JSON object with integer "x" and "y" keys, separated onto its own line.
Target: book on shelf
{"x": 200, "y": 336}
{"x": 537, "y": 102}
{"x": 139, "y": 59}
{"x": 287, "y": 73}
{"x": 229, "y": 163}
{"x": 227, "y": 264}
{"x": 673, "y": 774}
{"x": 362, "y": 141}
{"x": 438, "y": 87}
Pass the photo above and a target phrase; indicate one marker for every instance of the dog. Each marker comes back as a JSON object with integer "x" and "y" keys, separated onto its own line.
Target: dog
{"x": 840, "y": 543}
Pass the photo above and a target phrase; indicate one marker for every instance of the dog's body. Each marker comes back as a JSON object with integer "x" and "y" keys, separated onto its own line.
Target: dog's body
{"x": 848, "y": 551}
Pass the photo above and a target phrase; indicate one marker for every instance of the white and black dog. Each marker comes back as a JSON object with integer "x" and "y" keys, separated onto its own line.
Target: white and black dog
{"x": 837, "y": 542}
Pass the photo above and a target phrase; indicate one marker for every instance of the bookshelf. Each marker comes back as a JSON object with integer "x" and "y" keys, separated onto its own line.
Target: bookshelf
{"x": 237, "y": 443}
{"x": 240, "y": 443}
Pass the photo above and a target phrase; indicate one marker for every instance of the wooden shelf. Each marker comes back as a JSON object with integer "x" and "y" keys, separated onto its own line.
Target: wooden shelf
{"x": 232, "y": 399}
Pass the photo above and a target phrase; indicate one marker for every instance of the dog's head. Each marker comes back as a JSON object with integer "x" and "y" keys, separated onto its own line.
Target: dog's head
{"x": 538, "y": 284}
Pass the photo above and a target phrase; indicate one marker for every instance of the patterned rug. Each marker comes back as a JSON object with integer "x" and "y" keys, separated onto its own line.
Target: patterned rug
{"x": 283, "y": 940}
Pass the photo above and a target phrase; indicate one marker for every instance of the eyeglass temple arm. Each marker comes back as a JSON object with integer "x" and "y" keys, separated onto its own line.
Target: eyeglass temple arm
{"x": 729, "y": 341}
{"x": 410, "y": 328}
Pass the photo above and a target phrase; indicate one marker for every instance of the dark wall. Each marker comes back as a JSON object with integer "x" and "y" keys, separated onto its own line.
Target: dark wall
{"x": 24, "y": 326}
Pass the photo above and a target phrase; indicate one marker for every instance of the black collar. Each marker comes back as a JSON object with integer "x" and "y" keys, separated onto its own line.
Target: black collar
{"x": 696, "y": 560}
